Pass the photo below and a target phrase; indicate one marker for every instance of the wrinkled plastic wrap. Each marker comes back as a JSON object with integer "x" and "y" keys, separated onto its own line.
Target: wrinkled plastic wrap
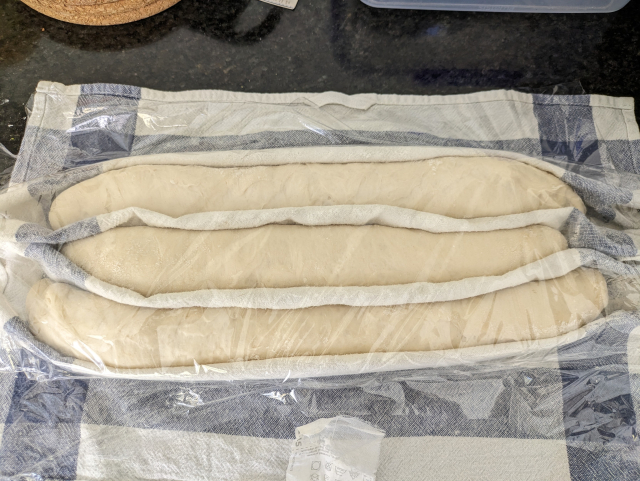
{"x": 213, "y": 285}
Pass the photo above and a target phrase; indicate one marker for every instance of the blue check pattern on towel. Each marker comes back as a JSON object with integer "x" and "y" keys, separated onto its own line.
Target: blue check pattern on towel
{"x": 568, "y": 416}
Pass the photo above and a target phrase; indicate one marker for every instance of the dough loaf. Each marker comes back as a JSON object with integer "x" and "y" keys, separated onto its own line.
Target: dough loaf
{"x": 459, "y": 187}
{"x": 153, "y": 260}
{"x": 86, "y": 326}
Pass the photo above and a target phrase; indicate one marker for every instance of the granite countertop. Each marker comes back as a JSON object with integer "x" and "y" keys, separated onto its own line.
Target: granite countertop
{"x": 340, "y": 45}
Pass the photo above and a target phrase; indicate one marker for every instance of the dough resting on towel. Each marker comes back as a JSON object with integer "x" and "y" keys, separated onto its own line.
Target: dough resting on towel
{"x": 153, "y": 260}
{"x": 83, "y": 325}
{"x": 459, "y": 187}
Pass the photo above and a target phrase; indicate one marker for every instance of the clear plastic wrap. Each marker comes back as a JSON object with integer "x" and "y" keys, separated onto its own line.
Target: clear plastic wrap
{"x": 207, "y": 272}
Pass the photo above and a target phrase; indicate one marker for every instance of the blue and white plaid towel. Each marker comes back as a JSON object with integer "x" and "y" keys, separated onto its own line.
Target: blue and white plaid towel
{"x": 562, "y": 409}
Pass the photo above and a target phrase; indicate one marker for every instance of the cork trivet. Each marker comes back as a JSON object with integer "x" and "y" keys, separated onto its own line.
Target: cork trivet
{"x": 96, "y": 9}
{"x": 100, "y": 12}
{"x": 89, "y": 6}
{"x": 72, "y": 3}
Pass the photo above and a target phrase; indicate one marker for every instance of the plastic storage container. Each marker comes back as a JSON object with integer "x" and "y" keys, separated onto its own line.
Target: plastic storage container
{"x": 538, "y": 6}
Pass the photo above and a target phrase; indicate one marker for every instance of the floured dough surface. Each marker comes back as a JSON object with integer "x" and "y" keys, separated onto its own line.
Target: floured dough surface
{"x": 153, "y": 260}
{"x": 86, "y": 326}
{"x": 459, "y": 187}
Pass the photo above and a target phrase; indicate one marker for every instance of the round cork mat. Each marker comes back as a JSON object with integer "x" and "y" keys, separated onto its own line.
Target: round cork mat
{"x": 100, "y": 12}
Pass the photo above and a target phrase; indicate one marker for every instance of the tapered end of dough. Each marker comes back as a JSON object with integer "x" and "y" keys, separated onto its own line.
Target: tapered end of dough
{"x": 47, "y": 319}
{"x": 41, "y": 314}
{"x": 36, "y": 305}
{"x": 600, "y": 288}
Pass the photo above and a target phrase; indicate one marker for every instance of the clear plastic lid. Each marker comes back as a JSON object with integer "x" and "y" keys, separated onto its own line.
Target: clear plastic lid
{"x": 539, "y": 6}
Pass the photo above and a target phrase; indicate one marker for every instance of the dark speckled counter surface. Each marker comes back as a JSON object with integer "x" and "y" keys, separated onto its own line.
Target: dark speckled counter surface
{"x": 340, "y": 45}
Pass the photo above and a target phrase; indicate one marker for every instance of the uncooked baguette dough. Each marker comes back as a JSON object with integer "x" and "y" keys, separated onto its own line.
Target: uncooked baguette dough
{"x": 89, "y": 327}
{"x": 459, "y": 187}
{"x": 153, "y": 260}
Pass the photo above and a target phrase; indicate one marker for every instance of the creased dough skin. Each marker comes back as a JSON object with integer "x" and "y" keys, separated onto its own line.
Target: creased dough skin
{"x": 89, "y": 327}
{"x": 153, "y": 260}
{"x": 459, "y": 187}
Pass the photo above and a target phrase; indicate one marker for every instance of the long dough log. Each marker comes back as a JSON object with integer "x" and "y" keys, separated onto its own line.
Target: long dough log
{"x": 152, "y": 260}
{"x": 459, "y": 187}
{"x": 89, "y": 327}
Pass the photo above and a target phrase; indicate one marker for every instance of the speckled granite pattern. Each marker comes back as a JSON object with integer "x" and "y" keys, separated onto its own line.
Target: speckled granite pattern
{"x": 340, "y": 45}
